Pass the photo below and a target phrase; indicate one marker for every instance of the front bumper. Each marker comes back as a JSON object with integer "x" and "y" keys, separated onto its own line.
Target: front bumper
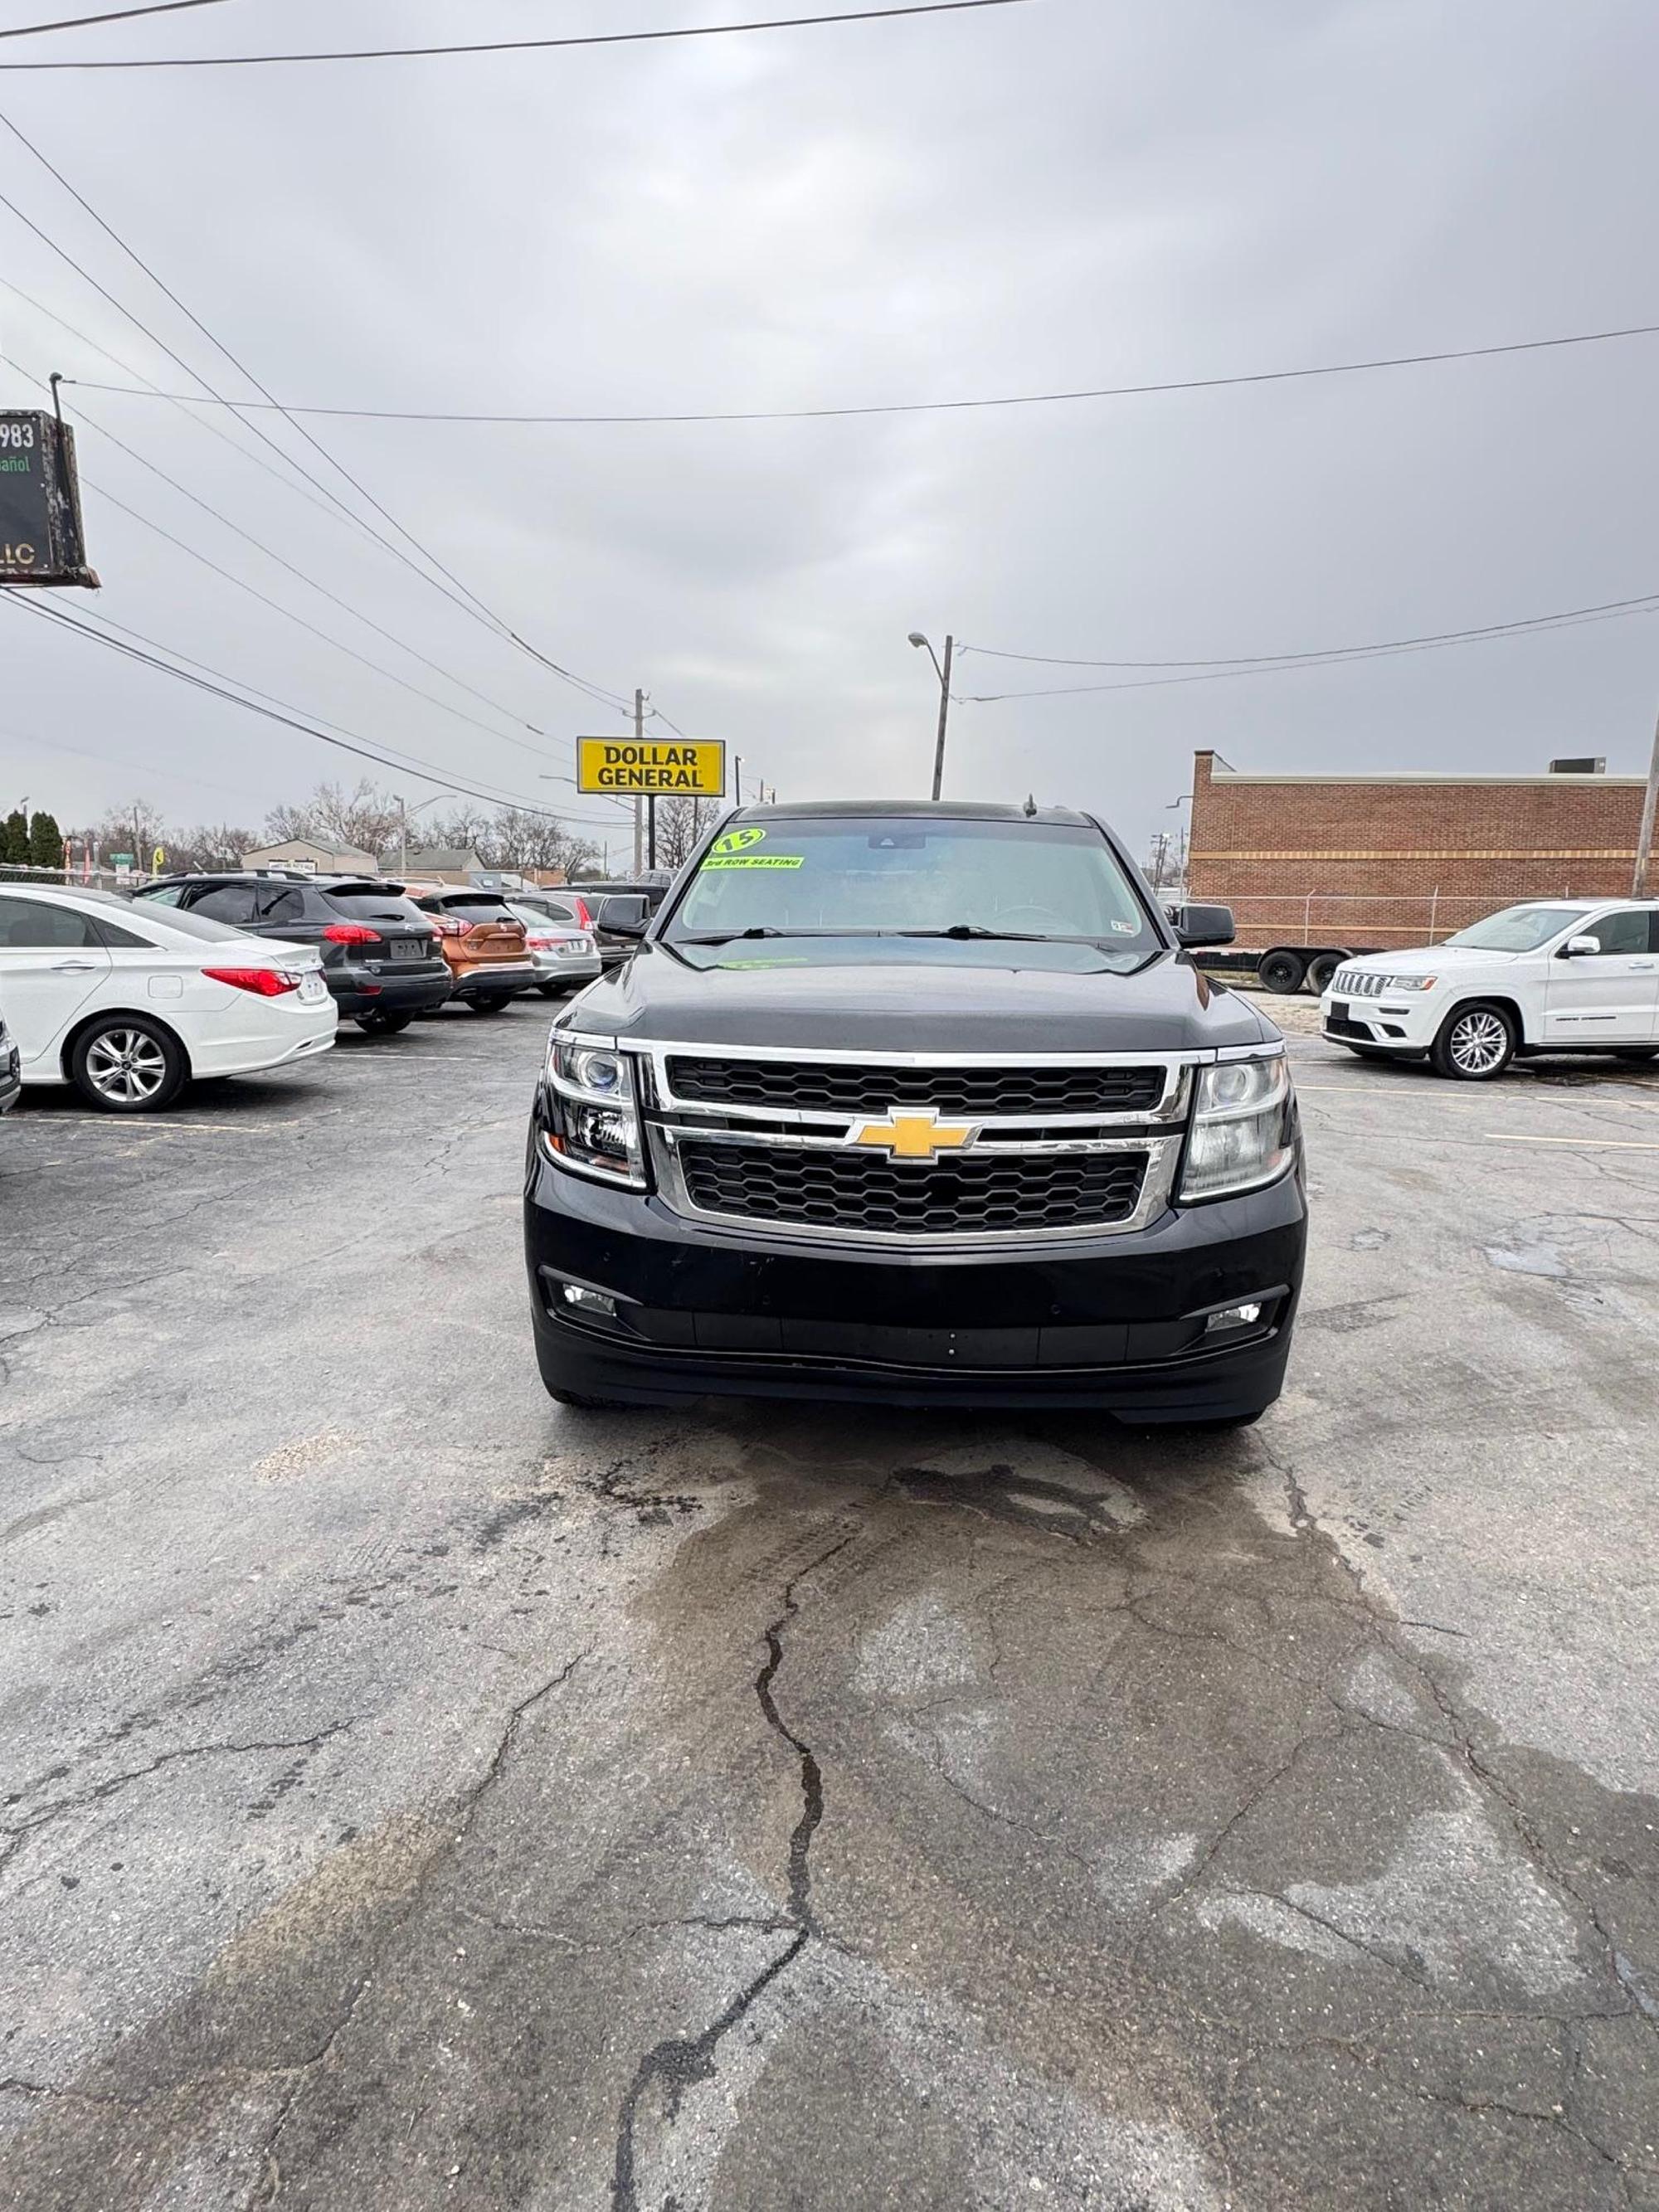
{"x": 1113, "y": 1321}
{"x": 1403, "y": 1023}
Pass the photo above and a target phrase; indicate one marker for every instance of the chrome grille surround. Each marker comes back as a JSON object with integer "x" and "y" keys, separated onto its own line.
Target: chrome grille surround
{"x": 1159, "y": 1134}
{"x": 1359, "y": 983}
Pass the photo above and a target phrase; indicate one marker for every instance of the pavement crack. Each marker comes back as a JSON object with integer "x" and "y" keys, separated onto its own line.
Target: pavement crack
{"x": 269, "y": 2186}
{"x": 15, "y": 1833}
{"x": 679, "y": 2061}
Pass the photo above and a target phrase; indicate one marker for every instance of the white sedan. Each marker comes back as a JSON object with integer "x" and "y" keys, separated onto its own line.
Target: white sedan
{"x": 128, "y": 1003}
{"x": 1553, "y": 975}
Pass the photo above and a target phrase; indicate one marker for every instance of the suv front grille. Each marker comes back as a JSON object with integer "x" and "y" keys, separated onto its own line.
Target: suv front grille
{"x": 822, "y": 1087}
{"x": 1360, "y": 982}
{"x": 820, "y": 1187}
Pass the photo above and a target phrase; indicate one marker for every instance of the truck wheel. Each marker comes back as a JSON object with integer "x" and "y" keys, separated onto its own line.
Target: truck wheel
{"x": 1320, "y": 972}
{"x": 1281, "y": 972}
{"x": 1476, "y": 1043}
{"x": 124, "y": 1064}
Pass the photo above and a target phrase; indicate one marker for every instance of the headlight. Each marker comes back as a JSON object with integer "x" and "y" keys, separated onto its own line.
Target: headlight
{"x": 1243, "y": 1128}
{"x": 1410, "y": 983}
{"x": 593, "y": 1069}
{"x": 595, "y": 1120}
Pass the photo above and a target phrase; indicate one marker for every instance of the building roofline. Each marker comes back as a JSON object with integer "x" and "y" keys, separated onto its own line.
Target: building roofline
{"x": 1435, "y": 776}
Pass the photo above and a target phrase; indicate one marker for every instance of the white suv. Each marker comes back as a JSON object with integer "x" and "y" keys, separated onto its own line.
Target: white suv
{"x": 1553, "y": 975}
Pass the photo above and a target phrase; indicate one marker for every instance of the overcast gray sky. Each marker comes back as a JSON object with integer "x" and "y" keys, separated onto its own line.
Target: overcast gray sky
{"x": 1063, "y": 193}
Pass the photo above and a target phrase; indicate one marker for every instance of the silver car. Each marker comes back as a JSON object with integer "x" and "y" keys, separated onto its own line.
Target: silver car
{"x": 565, "y": 956}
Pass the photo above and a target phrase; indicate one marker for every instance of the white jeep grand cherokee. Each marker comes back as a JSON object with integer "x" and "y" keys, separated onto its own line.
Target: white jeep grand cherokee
{"x": 1553, "y": 975}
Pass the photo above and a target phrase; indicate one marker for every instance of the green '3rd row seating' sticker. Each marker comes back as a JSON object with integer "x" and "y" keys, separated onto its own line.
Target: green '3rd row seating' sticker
{"x": 754, "y": 860}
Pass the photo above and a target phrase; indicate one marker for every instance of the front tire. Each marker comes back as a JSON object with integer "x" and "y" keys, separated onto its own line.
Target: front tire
{"x": 126, "y": 1064}
{"x": 1476, "y": 1043}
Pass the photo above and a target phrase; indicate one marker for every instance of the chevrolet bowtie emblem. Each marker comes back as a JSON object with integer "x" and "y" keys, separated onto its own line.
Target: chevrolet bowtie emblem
{"x": 914, "y": 1135}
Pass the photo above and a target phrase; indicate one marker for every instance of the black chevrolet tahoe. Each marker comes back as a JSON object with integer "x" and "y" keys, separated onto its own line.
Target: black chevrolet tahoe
{"x": 920, "y": 1103}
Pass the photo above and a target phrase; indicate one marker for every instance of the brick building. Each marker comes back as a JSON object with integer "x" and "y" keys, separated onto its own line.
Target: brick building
{"x": 1402, "y": 859}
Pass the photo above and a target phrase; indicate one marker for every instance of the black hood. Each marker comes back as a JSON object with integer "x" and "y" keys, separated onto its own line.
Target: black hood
{"x": 909, "y": 995}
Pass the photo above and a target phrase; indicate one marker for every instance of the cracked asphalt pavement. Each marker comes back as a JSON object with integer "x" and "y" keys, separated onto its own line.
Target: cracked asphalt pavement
{"x": 414, "y": 1793}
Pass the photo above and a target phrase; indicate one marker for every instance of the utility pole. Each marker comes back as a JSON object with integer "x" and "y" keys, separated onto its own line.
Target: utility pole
{"x": 944, "y": 675}
{"x": 944, "y": 716}
{"x": 1644, "y": 836}
{"x": 639, "y": 812}
{"x": 737, "y": 777}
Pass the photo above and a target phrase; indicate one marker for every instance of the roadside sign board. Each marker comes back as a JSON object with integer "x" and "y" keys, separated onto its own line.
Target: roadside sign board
{"x": 40, "y": 502}
{"x": 661, "y": 768}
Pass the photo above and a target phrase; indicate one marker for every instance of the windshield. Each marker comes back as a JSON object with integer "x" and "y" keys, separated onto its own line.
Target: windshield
{"x": 1518, "y": 928}
{"x": 898, "y": 874}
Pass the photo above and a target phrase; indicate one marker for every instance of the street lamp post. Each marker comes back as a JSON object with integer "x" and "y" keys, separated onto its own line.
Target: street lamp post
{"x": 944, "y": 675}
{"x": 404, "y": 809}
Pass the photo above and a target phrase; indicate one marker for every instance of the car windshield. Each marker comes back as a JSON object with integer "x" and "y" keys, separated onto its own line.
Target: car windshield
{"x": 1518, "y": 928}
{"x": 905, "y": 875}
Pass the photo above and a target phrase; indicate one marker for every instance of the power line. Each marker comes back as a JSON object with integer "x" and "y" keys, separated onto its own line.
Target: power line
{"x": 415, "y": 765}
{"x": 379, "y": 757}
{"x": 478, "y": 609}
{"x": 392, "y": 676}
{"x": 1641, "y": 604}
{"x": 920, "y": 406}
{"x": 1614, "y": 611}
{"x": 346, "y": 513}
{"x": 110, "y": 15}
{"x": 533, "y": 46}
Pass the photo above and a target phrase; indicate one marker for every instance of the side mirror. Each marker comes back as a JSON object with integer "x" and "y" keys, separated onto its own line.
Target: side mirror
{"x": 1575, "y": 947}
{"x": 1203, "y": 925}
{"x": 628, "y": 916}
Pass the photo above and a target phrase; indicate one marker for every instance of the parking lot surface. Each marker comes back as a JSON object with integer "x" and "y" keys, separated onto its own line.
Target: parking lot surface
{"x": 416, "y": 1793}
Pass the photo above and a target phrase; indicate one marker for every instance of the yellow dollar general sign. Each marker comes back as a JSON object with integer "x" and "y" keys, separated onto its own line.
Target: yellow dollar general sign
{"x": 685, "y": 767}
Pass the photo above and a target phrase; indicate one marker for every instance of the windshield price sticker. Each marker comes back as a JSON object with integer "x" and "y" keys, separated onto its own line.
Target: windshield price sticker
{"x": 692, "y": 768}
{"x": 734, "y": 850}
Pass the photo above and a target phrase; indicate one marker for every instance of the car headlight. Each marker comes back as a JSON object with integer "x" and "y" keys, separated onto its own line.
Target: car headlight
{"x": 1410, "y": 983}
{"x": 595, "y": 1123}
{"x": 1243, "y": 1130}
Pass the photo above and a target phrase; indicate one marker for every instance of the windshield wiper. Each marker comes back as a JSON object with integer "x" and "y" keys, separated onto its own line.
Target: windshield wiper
{"x": 972, "y": 929}
{"x": 733, "y": 936}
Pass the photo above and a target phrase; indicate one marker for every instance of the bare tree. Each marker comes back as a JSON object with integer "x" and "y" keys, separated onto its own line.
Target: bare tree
{"x": 677, "y": 830}
{"x": 209, "y": 845}
{"x": 137, "y": 828}
{"x": 364, "y": 818}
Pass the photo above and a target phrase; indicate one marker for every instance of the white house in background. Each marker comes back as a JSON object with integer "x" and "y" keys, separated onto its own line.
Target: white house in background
{"x": 315, "y": 857}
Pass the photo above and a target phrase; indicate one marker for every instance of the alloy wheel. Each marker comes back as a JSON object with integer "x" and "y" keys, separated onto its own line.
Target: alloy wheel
{"x": 1478, "y": 1042}
{"x": 127, "y": 1067}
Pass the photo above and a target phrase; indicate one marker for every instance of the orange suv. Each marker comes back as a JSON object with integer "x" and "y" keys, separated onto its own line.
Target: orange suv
{"x": 483, "y": 942}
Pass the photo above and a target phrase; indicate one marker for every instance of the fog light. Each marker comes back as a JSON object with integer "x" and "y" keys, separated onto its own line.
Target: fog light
{"x": 586, "y": 1301}
{"x": 1232, "y": 1318}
